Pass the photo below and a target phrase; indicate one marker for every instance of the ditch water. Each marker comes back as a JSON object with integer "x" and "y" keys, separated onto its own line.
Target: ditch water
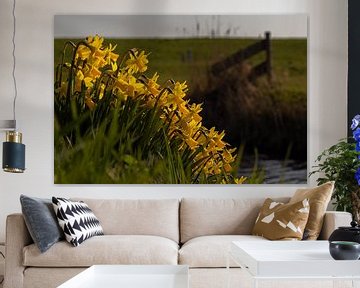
{"x": 278, "y": 172}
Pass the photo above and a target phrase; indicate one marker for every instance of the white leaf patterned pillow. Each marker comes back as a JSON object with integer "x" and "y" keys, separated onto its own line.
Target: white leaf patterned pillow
{"x": 279, "y": 221}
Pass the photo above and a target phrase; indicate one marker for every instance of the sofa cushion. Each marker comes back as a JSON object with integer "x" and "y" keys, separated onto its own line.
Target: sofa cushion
{"x": 200, "y": 217}
{"x": 319, "y": 198}
{"x": 211, "y": 251}
{"x": 76, "y": 220}
{"x": 279, "y": 221}
{"x": 41, "y": 221}
{"x": 107, "y": 249}
{"x": 158, "y": 217}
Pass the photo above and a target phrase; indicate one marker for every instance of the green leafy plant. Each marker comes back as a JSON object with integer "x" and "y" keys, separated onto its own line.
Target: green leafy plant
{"x": 340, "y": 163}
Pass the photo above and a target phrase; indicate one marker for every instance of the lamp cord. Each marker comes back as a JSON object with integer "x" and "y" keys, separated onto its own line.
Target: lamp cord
{"x": 14, "y": 59}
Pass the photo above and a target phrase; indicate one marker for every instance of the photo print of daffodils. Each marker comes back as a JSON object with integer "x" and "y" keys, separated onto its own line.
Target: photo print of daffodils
{"x": 180, "y": 99}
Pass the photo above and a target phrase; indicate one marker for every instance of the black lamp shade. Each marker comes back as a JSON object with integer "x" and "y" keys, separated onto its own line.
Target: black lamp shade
{"x": 13, "y": 157}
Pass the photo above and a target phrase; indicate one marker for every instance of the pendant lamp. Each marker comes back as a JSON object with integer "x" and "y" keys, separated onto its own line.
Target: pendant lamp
{"x": 13, "y": 150}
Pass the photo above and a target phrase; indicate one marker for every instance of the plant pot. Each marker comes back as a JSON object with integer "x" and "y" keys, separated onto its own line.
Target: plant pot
{"x": 343, "y": 250}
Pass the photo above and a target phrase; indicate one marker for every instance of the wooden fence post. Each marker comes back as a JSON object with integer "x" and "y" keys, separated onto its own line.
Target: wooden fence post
{"x": 268, "y": 54}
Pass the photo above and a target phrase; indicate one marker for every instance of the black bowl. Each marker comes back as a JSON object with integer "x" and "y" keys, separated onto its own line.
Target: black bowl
{"x": 344, "y": 250}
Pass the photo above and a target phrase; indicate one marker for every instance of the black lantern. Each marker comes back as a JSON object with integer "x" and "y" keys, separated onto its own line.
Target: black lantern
{"x": 13, "y": 153}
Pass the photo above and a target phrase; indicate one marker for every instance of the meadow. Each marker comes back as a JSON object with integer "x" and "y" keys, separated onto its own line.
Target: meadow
{"x": 170, "y": 57}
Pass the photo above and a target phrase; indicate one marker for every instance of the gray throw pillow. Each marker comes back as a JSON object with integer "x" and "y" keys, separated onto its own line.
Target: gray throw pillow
{"x": 41, "y": 221}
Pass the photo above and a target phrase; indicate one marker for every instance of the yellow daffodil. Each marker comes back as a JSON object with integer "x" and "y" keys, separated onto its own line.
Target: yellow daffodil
{"x": 202, "y": 139}
{"x": 120, "y": 94}
{"x": 90, "y": 103}
{"x": 180, "y": 89}
{"x": 137, "y": 62}
{"x": 83, "y": 52}
{"x": 121, "y": 81}
{"x": 191, "y": 143}
{"x": 227, "y": 167}
{"x": 195, "y": 109}
{"x": 182, "y": 108}
{"x": 101, "y": 91}
{"x": 129, "y": 85}
{"x": 177, "y": 100}
{"x": 98, "y": 53}
{"x": 161, "y": 98}
{"x": 134, "y": 87}
{"x": 240, "y": 180}
{"x": 110, "y": 56}
{"x": 152, "y": 85}
{"x": 114, "y": 66}
{"x": 80, "y": 79}
{"x": 95, "y": 41}
{"x": 97, "y": 61}
{"x": 227, "y": 155}
{"x": 89, "y": 82}
{"x": 92, "y": 72}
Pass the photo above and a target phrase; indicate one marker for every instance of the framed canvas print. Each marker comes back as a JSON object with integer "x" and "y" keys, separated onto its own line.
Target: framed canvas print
{"x": 180, "y": 99}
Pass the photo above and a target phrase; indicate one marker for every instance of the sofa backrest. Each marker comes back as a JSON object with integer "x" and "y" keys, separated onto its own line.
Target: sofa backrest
{"x": 200, "y": 217}
{"x": 159, "y": 217}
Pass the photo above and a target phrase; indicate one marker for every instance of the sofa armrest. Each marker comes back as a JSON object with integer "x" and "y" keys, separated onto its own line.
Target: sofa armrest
{"x": 17, "y": 237}
{"x": 333, "y": 220}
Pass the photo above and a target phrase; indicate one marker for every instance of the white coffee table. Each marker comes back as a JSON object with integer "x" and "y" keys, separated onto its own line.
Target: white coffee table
{"x": 292, "y": 260}
{"x": 131, "y": 276}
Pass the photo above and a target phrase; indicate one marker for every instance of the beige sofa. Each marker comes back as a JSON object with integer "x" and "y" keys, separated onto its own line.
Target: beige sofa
{"x": 194, "y": 232}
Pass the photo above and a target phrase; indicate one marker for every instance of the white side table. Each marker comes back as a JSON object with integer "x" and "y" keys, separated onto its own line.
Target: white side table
{"x": 287, "y": 261}
{"x": 131, "y": 276}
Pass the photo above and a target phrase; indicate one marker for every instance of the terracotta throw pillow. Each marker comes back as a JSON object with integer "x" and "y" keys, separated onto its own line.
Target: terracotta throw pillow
{"x": 319, "y": 198}
{"x": 279, "y": 221}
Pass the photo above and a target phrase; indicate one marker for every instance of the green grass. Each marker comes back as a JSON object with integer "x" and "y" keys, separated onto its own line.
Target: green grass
{"x": 127, "y": 145}
{"x": 166, "y": 57}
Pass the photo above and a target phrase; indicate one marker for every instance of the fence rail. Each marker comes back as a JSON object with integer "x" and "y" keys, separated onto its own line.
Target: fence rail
{"x": 239, "y": 57}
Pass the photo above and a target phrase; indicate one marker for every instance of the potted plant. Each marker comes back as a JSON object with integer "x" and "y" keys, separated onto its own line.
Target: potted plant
{"x": 341, "y": 163}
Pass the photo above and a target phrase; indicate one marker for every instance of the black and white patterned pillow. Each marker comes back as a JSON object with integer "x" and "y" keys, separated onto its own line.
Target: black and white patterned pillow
{"x": 77, "y": 220}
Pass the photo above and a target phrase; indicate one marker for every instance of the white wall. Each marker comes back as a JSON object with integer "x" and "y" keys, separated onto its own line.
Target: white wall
{"x": 327, "y": 89}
